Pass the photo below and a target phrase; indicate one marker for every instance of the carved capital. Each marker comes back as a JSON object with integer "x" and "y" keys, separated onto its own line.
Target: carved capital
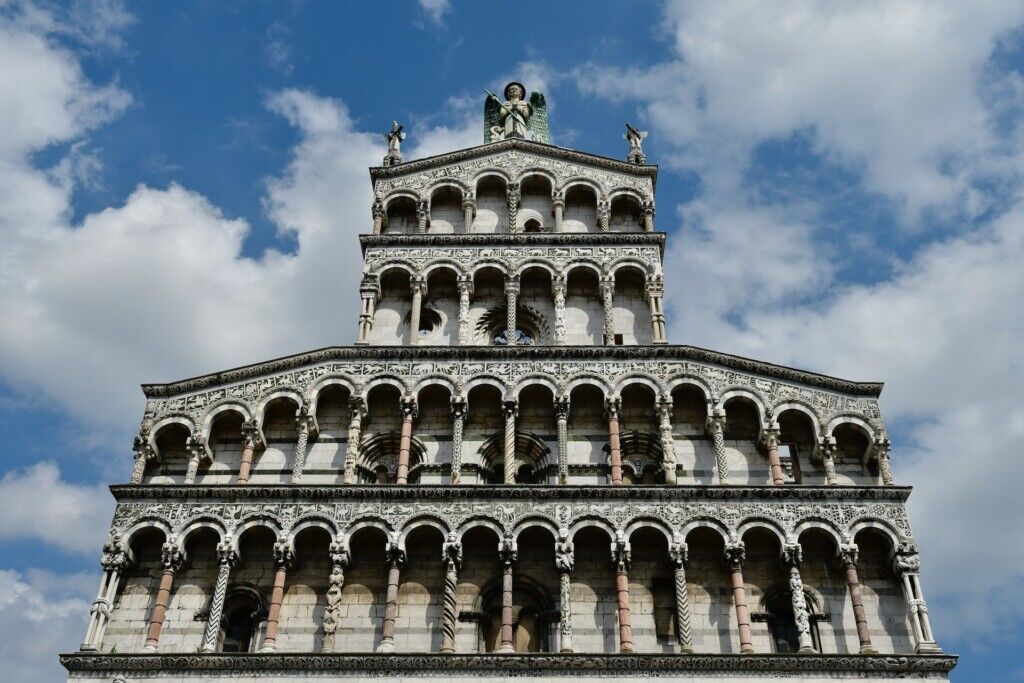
{"x": 171, "y": 556}
{"x": 226, "y": 554}
{"x": 510, "y": 409}
{"x": 612, "y": 407}
{"x": 849, "y": 553}
{"x": 735, "y": 554}
{"x": 679, "y": 554}
{"x": 460, "y": 406}
{"x": 561, "y": 406}
{"x": 407, "y": 405}
{"x": 508, "y": 552}
{"x": 452, "y": 552}
{"x": 792, "y": 554}
{"x": 284, "y": 555}
{"x": 339, "y": 556}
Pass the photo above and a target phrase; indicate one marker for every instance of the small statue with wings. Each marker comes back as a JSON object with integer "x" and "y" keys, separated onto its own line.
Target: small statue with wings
{"x": 516, "y": 117}
{"x": 635, "y": 138}
{"x": 394, "y": 137}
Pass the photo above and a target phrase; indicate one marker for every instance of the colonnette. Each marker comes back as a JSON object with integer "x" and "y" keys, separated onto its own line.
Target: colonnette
{"x": 511, "y": 460}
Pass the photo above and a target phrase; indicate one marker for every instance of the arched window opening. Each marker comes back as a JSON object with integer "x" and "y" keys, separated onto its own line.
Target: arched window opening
{"x": 532, "y": 225}
{"x": 778, "y": 613}
{"x": 243, "y": 622}
{"x": 533, "y": 613}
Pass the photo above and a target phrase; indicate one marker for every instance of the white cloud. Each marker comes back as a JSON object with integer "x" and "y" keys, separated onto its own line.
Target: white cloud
{"x": 893, "y": 90}
{"x": 37, "y": 504}
{"x": 35, "y": 624}
{"x": 435, "y": 9}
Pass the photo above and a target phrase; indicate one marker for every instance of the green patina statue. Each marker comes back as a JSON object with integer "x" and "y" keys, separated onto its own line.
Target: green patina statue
{"x": 516, "y": 117}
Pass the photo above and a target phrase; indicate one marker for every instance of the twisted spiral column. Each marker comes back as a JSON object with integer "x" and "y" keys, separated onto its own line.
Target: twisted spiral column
{"x": 458, "y": 425}
{"x": 716, "y": 427}
{"x": 304, "y": 422}
{"x": 510, "y": 409}
{"x": 449, "y": 606}
{"x": 227, "y": 559}
{"x": 562, "y": 418}
{"x": 678, "y": 553}
{"x": 355, "y": 427}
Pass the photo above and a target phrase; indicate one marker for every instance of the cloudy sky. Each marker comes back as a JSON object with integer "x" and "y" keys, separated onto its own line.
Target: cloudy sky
{"x": 181, "y": 185}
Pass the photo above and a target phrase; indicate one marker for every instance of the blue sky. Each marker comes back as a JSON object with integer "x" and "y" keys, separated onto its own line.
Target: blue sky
{"x": 181, "y": 185}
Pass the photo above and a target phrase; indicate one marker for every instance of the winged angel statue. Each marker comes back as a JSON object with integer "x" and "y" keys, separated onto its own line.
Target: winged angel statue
{"x": 516, "y": 117}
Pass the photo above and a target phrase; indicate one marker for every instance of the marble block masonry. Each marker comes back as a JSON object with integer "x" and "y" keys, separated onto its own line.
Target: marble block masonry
{"x": 511, "y": 471}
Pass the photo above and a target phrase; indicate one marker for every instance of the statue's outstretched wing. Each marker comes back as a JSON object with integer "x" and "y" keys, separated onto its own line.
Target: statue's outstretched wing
{"x": 538, "y": 123}
{"x": 492, "y": 118}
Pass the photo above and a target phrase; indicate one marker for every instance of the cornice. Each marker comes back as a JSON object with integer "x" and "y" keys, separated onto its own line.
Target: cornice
{"x": 520, "y": 665}
{"x": 512, "y": 353}
{"x": 567, "y": 239}
{"x": 563, "y": 153}
{"x": 443, "y": 492}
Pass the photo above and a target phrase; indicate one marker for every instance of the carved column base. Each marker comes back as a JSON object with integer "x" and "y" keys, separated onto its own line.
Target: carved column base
{"x": 927, "y": 649}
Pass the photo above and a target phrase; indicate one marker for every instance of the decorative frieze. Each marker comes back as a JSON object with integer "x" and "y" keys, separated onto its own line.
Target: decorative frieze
{"x": 512, "y": 508}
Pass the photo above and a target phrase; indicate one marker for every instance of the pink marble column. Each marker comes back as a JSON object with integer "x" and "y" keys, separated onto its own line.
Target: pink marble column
{"x": 172, "y": 561}
{"x": 283, "y": 558}
{"x": 405, "y": 444}
{"x": 507, "y": 552}
{"x": 249, "y": 433}
{"x": 622, "y": 598}
{"x": 614, "y": 447}
{"x": 771, "y": 444}
{"x": 848, "y": 555}
{"x": 735, "y": 554}
{"x": 396, "y": 558}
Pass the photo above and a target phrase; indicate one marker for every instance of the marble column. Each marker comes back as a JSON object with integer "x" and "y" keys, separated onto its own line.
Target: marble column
{"x": 612, "y": 408}
{"x": 510, "y": 409}
{"x": 827, "y": 452}
{"x": 465, "y": 283}
{"x": 283, "y": 559}
{"x": 511, "y": 303}
{"x": 452, "y": 552}
{"x": 771, "y": 446}
{"x": 468, "y": 213}
{"x": 604, "y": 211}
{"x": 422, "y": 216}
{"x": 655, "y": 291}
{"x": 250, "y": 435}
{"x": 792, "y": 555}
{"x": 357, "y": 411}
{"x": 678, "y": 554}
{"x": 735, "y": 553}
{"x": 197, "y": 452}
{"x": 716, "y": 428}
{"x": 848, "y": 555}
{"x": 340, "y": 559}
{"x": 608, "y": 303}
{"x": 226, "y": 559}
{"x": 882, "y": 452}
{"x": 562, "y": 420}
{"x": 558, "y": 208}
{"x": 669, "y": 464}
{"x": 459, "y": 407}
{"x": 907, "y": 565}
{"x": 507, "y": 553}
{"x": 559, "y": 286}
{"x": 396, "y": 560}
{"x": 305, "y": 423}
{"x": 648, "y": 209}
{"x": 172, "y": 559}
{"x": 377, "y": 211}
{"x": 408, "y": 407}
{"x": 513, "y": 198}
{"x": 418, "y": 286}
{"x": 144, "y": 452}
{"x": 114, "y": 562}
{"x": 621, "y": 560}
{"x": 369, "y": 292}
{"x": 564, "y": 563}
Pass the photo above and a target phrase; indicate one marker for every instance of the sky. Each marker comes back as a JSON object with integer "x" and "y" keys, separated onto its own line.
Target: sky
{"x": 181, "y": 186}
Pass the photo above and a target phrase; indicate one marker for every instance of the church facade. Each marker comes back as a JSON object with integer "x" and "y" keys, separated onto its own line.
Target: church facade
{"x": 511, "y": 471}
